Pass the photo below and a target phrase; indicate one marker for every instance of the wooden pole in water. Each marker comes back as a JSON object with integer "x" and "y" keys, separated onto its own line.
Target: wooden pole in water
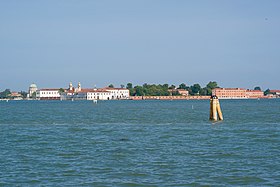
{"x": 211, "y": 109}
{"x": 220, "y": 114}
{"x": 215, "y": 109}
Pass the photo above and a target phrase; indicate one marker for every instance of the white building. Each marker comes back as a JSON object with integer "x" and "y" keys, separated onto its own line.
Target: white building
{"x": 80, "y": 93}
{"x": 48, "y": 94}
{"x": 118, "y": 93}
{"x": 32, "y": 89}
{"x": 275, "y": 92}
{"x": 83, "y": 94}
{"x": 94, "y": 94}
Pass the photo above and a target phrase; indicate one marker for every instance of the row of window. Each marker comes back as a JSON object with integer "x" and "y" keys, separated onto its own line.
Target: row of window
{"x": 120, "y": 91}
{"x": 98, "y": 93}
{"x": 49, "y": 93}
{"x": 232, "y": 96}
{"x": 230, "y": 92}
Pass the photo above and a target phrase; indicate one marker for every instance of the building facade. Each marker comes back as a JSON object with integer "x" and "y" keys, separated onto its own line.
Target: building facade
{"x": 237, "y": 93}
{"x": 178, "y": 91}
{"x": 16, "y": 96}
{"x": 83, "y": 94}
{"x": 80, "y": 93}
{"x": 117, "y": 93}
{"x": 230, "y": 93}
{"x": 48, "y": 94}
{"x": 254, "y": 94}
{"x": 275, "y": 93}
{"x": 95, "y": 94}
{"x": 32, "y": 89}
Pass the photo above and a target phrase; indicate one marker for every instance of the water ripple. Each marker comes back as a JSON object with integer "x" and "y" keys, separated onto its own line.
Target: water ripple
{"x": 149, "y": 143}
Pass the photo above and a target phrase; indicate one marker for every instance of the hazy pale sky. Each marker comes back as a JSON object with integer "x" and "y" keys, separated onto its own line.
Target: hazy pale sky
{"x": 98, "y": 42}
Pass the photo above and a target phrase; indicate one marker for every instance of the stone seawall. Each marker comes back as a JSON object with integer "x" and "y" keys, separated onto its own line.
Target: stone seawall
{"x": 169, "y": 97}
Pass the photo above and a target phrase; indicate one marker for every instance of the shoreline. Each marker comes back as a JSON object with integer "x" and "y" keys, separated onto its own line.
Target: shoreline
{"x": 139, "y": 98}
{"x": 190, "y": 98}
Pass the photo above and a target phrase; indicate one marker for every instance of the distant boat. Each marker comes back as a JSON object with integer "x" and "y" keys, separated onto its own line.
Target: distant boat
{"x": 95, "y": 101}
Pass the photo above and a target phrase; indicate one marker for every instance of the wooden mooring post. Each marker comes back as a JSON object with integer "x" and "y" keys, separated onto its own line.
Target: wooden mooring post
{"x": 215, "y": 109}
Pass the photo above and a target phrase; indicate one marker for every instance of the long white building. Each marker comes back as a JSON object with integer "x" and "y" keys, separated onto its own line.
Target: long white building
{"x": 95, "y": 94}
{"x": 118, "y": 93}
{"x": 48, "y": 94}
{"x": 83, "y": 94}
{"x": 104, "y": 94}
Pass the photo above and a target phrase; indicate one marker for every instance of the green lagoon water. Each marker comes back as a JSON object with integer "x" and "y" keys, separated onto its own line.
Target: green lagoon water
{"x": 139, "y": 143}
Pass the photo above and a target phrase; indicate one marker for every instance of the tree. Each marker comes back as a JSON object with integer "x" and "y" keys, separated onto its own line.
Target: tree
{"x": 204, "y": 91}
{"x": 111, "y": 86}
{"x": 122, "y": 86}
{"x": 195, "y": 88}
{"x": 257, "y": 88}
{"x": 145, "y": 85}
{"x": 165, "y": 86}
{"x": 131, "y": 89}
{"x": 182, "y": 86}
{"x": 266, "y": 92}
{"x": 33, "y": 96}
{"x": 5, "y": 94}
{"x": 61, "y": 90}
{"x": 24, "y": 94}
{"x": 129, "y": 85}
{"x": 139, "y": 91}
{"x": 172, "y": 87}
{"x": 212, "y": 85}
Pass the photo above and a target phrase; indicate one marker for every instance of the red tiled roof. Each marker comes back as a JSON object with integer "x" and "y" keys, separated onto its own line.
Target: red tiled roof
{"x": 177, "y": 90}
{"x": 253, "y": 90}
{"x": 274, "y": 90}
{"x": 229, "y": 89}
{"x": 70, "y": 91}
{"x": 15, "y": 94}
{"x": 49, "y": 89}
{"x": 108, "y": 88}
{"x": 91, "y": 90}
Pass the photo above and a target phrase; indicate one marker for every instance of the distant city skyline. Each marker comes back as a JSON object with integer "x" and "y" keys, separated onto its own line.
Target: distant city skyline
{"x": 76, "y": 85}
{"x": 52, "y": 43}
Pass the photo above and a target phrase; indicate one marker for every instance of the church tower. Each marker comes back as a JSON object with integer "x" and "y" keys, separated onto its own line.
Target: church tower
{"x": 79, "y": 87}
{"x": 70, "y": 86}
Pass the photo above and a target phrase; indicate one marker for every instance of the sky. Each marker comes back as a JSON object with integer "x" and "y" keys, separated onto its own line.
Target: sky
{"x": 101, "y": 42}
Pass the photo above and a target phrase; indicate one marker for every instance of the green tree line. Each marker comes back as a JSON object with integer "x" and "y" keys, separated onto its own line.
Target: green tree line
{"x": 162, "y": 89}
{"x": 6, "y": 94}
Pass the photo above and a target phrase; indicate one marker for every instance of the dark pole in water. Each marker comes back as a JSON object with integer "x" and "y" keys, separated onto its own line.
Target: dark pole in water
{"x": 215, "y": 109}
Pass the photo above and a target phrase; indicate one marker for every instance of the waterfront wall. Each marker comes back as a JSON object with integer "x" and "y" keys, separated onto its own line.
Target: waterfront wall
{"x": 169, "y": 97}
{"x": 189, "y": 97}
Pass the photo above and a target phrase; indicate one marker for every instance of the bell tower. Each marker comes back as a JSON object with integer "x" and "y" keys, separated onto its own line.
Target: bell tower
{"x": 79, "y": 87}
{"x": 70, "y": 86}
